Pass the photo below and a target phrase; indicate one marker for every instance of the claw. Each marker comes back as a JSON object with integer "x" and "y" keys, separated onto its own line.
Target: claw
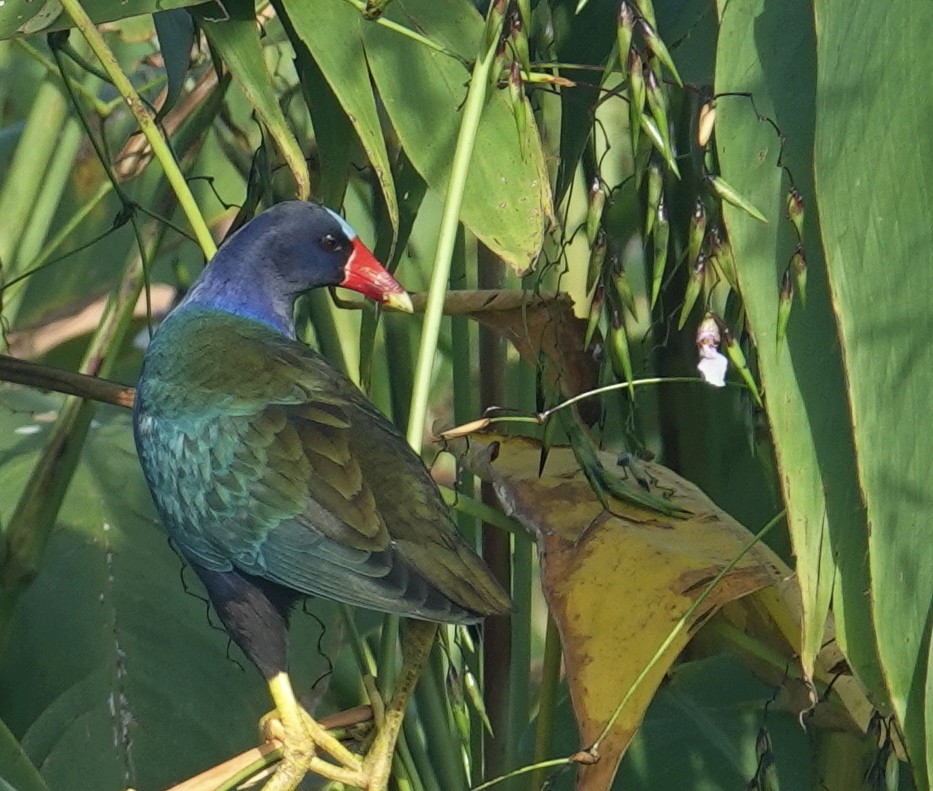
{"x": 302, "y": 736}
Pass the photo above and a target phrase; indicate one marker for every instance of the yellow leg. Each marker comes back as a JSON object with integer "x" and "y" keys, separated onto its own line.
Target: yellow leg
{"x": 301, "y": 736}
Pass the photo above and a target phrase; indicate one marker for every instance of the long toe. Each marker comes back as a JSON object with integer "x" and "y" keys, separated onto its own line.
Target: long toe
{"x": 298, "y": 755}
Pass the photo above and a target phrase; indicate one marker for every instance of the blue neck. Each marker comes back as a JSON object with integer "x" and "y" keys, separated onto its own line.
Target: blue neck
{"x": 251, "y": 290}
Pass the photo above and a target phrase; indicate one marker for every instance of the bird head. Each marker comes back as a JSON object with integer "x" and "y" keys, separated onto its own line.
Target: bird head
{"x": 287, "y": 250}
{"x": 311, "y": 246}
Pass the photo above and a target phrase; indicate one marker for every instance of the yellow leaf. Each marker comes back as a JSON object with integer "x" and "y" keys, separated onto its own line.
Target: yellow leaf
{"x": 618, "y": 584}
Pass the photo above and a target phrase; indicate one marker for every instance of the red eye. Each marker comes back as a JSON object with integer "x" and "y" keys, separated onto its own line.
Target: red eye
{"x": 331, "y": 243}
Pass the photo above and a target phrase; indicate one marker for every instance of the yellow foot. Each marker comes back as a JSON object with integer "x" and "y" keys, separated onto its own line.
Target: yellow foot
{"x": 302, "y": 737}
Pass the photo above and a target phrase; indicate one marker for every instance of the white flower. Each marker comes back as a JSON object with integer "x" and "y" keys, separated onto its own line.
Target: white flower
{"x": 712, "y": 365}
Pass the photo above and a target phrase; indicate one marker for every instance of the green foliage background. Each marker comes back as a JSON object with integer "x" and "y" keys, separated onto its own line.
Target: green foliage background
{"x": 109, "y": 674}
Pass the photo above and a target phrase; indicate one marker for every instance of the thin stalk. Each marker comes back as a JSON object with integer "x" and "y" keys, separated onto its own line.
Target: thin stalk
{"x": 547, "y": 700}
{"x": 463, "y": 503}
{"x": 146, "y": 123}
{"x": 27, "y": 170}
{"x": 49, "y": 197}
{"x": 103, "y": 109}
{"x": 412, "y": 778}
{"x": 447, "y": 237}
{"x": 364, "y": 657}
{"x": 435, "y": 719}
{"x": 464, "y": 392}
{"x": 520, "y": 666}
{"x": 44, "y": 258}
{"x": 45, "y": 377}
{"x": 388, "y": 24}
{"x": 499, "y": 659}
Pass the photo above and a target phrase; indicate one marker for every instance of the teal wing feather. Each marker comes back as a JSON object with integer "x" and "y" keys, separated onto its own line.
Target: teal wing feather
{"x": 269, "y": 460}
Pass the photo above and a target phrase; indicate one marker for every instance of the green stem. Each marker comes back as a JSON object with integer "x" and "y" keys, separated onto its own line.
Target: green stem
{"x": 103, "y": 109}
{"x": 388, "y": 24}
{"x": 547, "y": 699}
{"x": 28, "y": 168}
{"x": 447, "y": 237}
{"x": 146, "y": 123}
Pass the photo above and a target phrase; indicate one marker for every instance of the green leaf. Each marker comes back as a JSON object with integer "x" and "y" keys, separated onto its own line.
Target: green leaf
{"x": 17, "y": 772}
{"x": 507, "y": 197}
{"x": 336, "y": 46}
{"x": 877, "y": 240}
{"x": 236, "y": 40}
{"x": 26, "y": 17}
{"x": 804, "y": 384}
{"x": 176, "y": 32}
{"x": 113, "y": 675}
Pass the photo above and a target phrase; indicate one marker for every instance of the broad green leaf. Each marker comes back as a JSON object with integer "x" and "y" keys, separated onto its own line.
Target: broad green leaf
{"x": 331, "y": 31}
{"x": 176, "y": 33}
{"x": 27, "y": 17}
{"x": 804, "y": 385}
{"x": 236, "y": 40}
{"x": 113, "y": 675}
{"x": 873, "y": 177}
{"x": 507, "y": 199}
{"x": 16, "y": 770}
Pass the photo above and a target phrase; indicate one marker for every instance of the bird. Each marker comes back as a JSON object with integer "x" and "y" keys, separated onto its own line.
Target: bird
{"x": 277, "y": 479}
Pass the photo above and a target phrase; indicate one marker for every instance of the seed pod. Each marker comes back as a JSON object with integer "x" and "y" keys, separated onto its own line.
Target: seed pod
{"x": 597, "y": 260}
{"x": 594, "y": 210}
{"x": 518, "y": 40}
{"x": 654, "y": 134}
{"x": 475, "y": 696}
{"x": 524, "y": 8}
{"x": 625, "y": 28}
{"x": 495, "y": 17}
{"x": 458, "y": 705}
{"x": 619, "y": 354}
{"x": 657, "y": 103}
{"x": 697, "y": 232}
{"x": 636, "y": 97}
{"x": 795, "y": 211}
{"x": 654, "y": 189}
{"x": 646, "y": 9}
{"x": 785, "y": 302}
{"x": 498, "y": 64}
{"x": 596, "y": 319}
{"x": 660, "y": 236}
{"x": 727, "y": 193}
{"x": 706, "y": 123}
{"x": 737, "y": 358}
{"x": 798, "y": 263}
{"x": 721, "y": 256}
{"x": 694, "y": 284}
{"x": 517, "y": 99}
{"x": 659, "y": 49}
{"x": 623, "y": 289}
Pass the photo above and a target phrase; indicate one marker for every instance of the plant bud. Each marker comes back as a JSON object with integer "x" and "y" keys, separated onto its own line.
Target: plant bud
{"x": 795, "y": 211}
{"x": 798, "y": 263}
{"x": 785, "y": 302}
{"x": 660, "y": 236}
{"x": 727, "y": 193}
